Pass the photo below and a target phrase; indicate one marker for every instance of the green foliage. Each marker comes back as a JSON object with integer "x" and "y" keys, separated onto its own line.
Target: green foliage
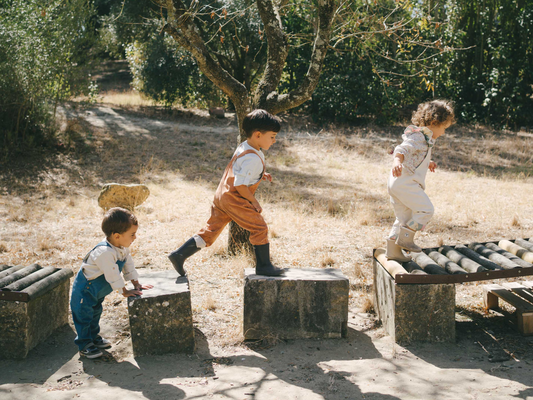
{"x": 40, "y": 44}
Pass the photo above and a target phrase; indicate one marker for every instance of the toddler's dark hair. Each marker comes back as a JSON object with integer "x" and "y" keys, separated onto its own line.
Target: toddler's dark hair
{"x": 118, "y": 220}
{"x": 436, "y": 111}
{"x": 260, "y": 120}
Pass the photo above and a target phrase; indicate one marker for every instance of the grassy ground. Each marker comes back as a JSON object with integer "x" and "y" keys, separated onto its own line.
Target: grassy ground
{"x": 327, "y": 206}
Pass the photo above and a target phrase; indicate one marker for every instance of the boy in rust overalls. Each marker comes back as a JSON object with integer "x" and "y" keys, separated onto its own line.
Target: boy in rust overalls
{"x": 234, "y": 198}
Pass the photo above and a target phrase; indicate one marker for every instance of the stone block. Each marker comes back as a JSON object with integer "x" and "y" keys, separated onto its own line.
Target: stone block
{"x": 414, "y": 312}
{"x": 161, "y": 320}
{"x": 304, "y": 303}
{"x": 26, "y": 324}
{"x": 126, "y": 196}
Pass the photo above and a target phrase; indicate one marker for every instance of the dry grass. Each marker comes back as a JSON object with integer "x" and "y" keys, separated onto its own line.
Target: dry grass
{"x": 327, "y": 207}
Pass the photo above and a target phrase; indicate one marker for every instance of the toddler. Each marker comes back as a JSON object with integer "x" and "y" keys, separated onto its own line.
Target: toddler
{"x": 406, "y": 182}
{"x": 99, "y": 275}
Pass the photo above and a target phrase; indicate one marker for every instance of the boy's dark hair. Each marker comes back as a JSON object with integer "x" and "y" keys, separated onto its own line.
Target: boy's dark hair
{"x": 118, "y": 220}
{"x": 260, "y": 120}
{"x": 436, "y": 111}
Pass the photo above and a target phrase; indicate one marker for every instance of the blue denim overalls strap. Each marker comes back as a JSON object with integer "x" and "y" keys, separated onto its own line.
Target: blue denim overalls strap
{"x": 86, "y": 302}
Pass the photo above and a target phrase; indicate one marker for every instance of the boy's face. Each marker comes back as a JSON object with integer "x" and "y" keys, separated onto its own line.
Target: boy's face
{"x": 125, "y": 239}
{"x": 266, "y": 139}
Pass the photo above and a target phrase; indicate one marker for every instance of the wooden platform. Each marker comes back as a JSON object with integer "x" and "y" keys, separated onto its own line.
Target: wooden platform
{"x": 520, "y": 296}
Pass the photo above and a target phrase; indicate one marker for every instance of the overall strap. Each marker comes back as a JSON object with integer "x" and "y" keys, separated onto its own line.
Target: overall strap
{"x": 103, "y": 243}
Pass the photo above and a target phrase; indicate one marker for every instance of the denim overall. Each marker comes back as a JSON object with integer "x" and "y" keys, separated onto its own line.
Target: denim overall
{"x": 86, "y": 303}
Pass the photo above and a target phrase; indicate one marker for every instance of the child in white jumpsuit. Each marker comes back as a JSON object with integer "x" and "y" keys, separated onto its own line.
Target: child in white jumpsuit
{"x": 406, "y": 183}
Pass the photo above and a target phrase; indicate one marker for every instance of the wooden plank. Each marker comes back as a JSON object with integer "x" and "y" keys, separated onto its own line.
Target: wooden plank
{"x": 520, "y": 290}
{"x": 525, "y": 323}
{"x": 490, "y": 300}
{"x": 528, "y": 284}
{"x": 516, "y": 301}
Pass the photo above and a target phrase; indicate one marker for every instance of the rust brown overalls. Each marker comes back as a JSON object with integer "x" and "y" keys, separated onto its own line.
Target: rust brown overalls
{"x": 229, "y": 205}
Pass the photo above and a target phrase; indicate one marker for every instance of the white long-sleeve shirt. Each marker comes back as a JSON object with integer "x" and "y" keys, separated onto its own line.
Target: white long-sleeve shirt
{"x": 248, "y": 169}
{"x": 103, "y": 261}
{"x": 416, "y": 143}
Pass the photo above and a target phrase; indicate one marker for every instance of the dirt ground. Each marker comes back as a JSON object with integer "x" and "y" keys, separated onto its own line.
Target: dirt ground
{"x": 327, "y": 208}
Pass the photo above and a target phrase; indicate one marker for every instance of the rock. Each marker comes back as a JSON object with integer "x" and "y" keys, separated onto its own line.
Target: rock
{"x": 126, "y": 196}
{"x": 161, "y": 319}
{"x": 304, "y": 303}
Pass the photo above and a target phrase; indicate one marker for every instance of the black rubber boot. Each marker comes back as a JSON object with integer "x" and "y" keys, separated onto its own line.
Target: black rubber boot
{"x": 178, "y": 257}
{"x": 264, "y": 266}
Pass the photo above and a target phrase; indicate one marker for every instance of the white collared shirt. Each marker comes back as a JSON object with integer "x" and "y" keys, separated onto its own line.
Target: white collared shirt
{"x": 103, "y": 261}
{"x": 248, "y": 169}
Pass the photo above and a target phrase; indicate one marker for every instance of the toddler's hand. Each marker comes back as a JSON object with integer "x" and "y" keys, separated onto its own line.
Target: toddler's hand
{"x": 267, "y": 177}
{"x": 432, "y": 166}
{"x": 397, "y": 168}
{"x": 131, "y": 293}
{"x": 144, "y": 287}
{"x": 257, "y": 206}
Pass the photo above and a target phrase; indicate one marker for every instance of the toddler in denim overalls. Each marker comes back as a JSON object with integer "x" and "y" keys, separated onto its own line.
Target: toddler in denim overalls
{"x": 99, "y": 275}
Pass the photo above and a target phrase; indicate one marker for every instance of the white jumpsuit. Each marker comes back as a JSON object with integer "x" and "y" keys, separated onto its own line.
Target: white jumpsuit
{"x": 411, "y": 204}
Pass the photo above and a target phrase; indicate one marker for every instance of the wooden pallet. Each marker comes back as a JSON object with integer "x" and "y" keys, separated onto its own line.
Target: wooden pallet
{"x": 520, "y": 296}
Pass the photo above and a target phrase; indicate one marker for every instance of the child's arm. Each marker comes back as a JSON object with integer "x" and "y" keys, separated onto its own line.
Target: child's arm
{"x": 244, "y": 191}
{"x": 267, "y": 177}
{"x": 397, "y": 165}
{"x": 432, "y": 166}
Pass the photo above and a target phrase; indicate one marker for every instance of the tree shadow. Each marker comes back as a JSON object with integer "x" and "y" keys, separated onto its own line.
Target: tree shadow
{"x": 488, "y": 343}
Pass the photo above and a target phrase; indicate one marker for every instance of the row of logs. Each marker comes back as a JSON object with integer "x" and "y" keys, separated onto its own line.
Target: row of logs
{"x": 462, "y": 259}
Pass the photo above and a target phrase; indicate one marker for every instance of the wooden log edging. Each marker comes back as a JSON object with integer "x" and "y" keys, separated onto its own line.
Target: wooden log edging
{"x": 517, "y": 250}
{"x": 467, "y": 264}
{"x": 392, "y": 267}
{"x": 510, "y": 256}
{"x": 448, "y": 265}
{"x": 502, "y": 261}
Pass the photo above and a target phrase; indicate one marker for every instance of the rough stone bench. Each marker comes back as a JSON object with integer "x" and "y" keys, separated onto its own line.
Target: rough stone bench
{"x": 33, "y": 303}
{"x": 519, "y": 296}
{"x": 304, "y": 303}
{"x": 161, "y": 319}
{"x": 416, "y": 300}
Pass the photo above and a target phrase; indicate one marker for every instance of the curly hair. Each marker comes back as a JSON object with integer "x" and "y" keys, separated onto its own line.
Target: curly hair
{"x": 434, "y": 112}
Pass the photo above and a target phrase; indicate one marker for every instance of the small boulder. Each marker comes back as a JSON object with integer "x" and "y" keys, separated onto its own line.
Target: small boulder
{"x": 126, "y": 196}
{"x": 216, "y": 112}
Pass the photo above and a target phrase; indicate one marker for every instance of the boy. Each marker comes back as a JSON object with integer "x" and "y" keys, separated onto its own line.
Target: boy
{"x": 99, "y": 275}
{"x": 234, "y": 198}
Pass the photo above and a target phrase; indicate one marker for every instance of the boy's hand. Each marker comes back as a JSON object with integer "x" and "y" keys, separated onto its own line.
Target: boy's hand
{"x": 143, "y": 287}
{"x": 267, "y": 177}
{"x": 131, "y": 293}
{"x": 257, "y": 206}
{"x": 432, "y": 166}
{"x": 397, "y": 167}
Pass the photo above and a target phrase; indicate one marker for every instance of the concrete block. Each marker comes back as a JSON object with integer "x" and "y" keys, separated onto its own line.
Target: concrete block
{"x": 161, "y": 320}
{"x": 414, "y": 312}
{"x": 304, "y": 303}
{"x": 26, "y": 324}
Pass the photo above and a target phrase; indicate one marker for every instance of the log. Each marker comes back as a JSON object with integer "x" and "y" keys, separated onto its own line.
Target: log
{"x": 472, "y": 255}
{"x": 3, "y": 267}
{"x": 414, "y": 268}
{"x": 393, "y": 267}
{"x": 20, "y": 284}
{"x": 446, "y": 263}
{"x": 50, "y": 282}
{"x": 525, "y": 244}
{"x": 502, "y": 261}
{"x": 428, "y": 265}
{"x": 467, "y": 264}
{"x": 25, "y": 271}
{"x": 517, "y": 250}
{"x": 10, "y": 270}
{"x": 510, "y": 256}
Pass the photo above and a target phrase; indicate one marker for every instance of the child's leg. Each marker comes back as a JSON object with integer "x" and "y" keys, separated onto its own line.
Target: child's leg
{"x": 82, "y": 315}
{"x": 95, "y": 323}
{"x": 248, "y": 218}
{"x": 403, "y": 215}
{"x": 412, "y": 196}
{"x": 206, "y": 237}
